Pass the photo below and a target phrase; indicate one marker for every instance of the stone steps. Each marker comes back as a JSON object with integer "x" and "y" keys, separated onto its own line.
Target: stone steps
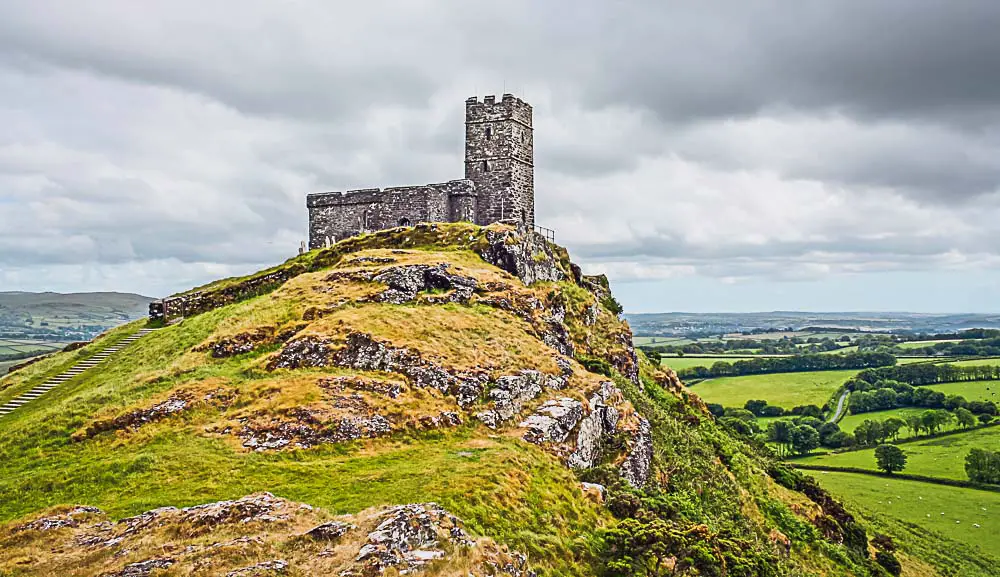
{"x": 70, "y": 373}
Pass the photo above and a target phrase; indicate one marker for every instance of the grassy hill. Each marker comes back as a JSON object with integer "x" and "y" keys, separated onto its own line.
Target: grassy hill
{"x": 66, "y": 317}
{"x": 444, "y": 398}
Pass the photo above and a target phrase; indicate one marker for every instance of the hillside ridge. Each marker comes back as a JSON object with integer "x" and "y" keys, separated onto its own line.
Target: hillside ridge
{"x": 464, "y": 397}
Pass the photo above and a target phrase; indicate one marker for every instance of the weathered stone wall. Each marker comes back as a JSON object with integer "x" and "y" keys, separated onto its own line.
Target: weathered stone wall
{"x": 499, "y": 158}
{"x": 335, "y": 215}
{"x": 195, "y": 303}
{"x": 499, "y": 182}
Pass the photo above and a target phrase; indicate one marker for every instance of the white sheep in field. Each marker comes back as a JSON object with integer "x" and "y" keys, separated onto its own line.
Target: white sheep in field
{"x": 976, "y": 525}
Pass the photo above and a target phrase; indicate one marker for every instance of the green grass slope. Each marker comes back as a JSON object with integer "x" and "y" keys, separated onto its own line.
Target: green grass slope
{"x": 272, "y": 367}
{"x": 913, "y": 511}
{"x": 938, "y": 457}
{"x": 785, "y": 390}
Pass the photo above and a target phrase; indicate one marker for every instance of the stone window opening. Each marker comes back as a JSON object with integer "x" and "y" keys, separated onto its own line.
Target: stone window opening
{"x": 489, "y": 133}
{"x": 486, "y": 166}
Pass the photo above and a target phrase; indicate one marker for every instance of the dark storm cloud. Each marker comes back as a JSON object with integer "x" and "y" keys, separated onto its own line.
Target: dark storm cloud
{"x": 686, "y": 133}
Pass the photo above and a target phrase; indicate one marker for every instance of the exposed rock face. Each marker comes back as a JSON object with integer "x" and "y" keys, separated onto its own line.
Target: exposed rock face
{"x": 406, "y": 281}
{"x": 581, "y": 436}
{"x": 309, "y": 429}
{"x": 307, "y": 351}
{"x": 143, "y": 568}
{"x": 178, "y": 402}
{"x": 528, "y": 256}
{"x": 408, "y": 538}
{"x": 553, "y": 421}
{"x": 275, "y": 567}
{"x": 636, "y": 468}
{"x": 510, "y": 393}
{"x": 404, "y": 538}
{"x": 70, "y": 519}
{"x": 331, "y": 531}
{"x": 600, "y": 423}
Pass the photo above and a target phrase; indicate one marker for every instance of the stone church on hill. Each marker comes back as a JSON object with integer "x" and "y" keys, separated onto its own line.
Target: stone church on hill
{"x": 499, "y": 183}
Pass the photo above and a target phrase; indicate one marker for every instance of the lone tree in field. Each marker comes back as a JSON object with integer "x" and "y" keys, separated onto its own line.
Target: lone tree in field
{"x": 890, "y": 458}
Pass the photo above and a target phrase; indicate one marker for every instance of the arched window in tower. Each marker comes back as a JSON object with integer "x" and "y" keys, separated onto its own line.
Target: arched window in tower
{"x": 404, "y": 221}
{"x": 489, "y": 133}
{"x": 486, "y": 166}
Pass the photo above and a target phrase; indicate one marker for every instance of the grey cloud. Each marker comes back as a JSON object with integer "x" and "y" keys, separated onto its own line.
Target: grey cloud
{"x": 676, "y": 133}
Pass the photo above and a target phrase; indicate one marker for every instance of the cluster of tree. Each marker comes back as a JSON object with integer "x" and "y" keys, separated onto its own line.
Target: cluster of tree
{"x": 889, "y": 394}
{"x": 796, "y": 363}
{"x": 760, "y": 408}
{"x": 791, "y": 438}
{"x": 974, "y": 342}
{"x": 917, "y": 374}
{"x": 782, "y": 346}
{"x": 798, "y": 436}
{"x": 983, "y": 466}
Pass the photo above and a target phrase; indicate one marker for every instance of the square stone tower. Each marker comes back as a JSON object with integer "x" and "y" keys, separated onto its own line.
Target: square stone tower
{"x": 499, "y": 158}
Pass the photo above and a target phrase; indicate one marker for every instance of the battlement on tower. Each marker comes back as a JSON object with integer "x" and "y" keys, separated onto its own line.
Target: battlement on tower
{"x": 489, "y": 110}
{"x": 460, "y": 186}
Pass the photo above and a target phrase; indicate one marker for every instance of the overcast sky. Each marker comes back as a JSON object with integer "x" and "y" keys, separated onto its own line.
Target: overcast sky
{"x": 708, "y": 156}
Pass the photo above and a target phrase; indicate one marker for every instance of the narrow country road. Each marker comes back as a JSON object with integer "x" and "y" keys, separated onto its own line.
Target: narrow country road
{"x": 840, "y": 407}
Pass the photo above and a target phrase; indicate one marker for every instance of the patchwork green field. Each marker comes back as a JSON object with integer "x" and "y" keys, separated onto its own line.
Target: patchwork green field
{"x": 678, "y": 363}
{"x": 940, "y": 457}
{"x": 851, "y": 422}
{"x": 922, "y": 344}
{"x": 911, "y": 360}
{"x": 976, "y": 362}
{"x": 785, "y": 390}
{"x": 971, "y": 390}
{"x": 922, "y": 504}
{"x": 24, "y": 346}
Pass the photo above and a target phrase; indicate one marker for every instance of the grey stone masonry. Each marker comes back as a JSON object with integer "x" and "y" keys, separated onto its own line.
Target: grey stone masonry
{"x": 499, "y": 183}
{"x": 499, "y": 158}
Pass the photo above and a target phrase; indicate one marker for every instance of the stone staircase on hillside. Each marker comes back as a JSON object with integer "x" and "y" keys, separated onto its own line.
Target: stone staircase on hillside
{"x": 74, "y": 371}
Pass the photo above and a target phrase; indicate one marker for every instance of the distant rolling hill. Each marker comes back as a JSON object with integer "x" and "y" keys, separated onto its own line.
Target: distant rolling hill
{"x": 52, "y": 316}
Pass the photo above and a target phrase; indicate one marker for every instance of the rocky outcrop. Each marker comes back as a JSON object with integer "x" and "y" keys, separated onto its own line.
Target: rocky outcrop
{"x": 510, "y": 393}
{"x": 303, "y": 428}
{"x": 582, "y": 436}
{"x": 362, "y": 352}
{"x": 553, "y": 421}
{"x": 275, "y": 567}
{"x": 637, "y": 466}
{"x": 71, "y": 518}
{"x": 409, "y": 537}
{"x": 403, "y": 540}
{"x": 331, "y": 531}
{"x": 143, "y": 568}
{"x": 600, "y": 424}
{"x": 178, "y": 402}
{"x": 405, "y": 282}
{"x": 528, "y": 256}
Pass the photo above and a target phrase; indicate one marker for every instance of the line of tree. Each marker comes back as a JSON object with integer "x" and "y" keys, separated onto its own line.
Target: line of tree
{"x": 792, "y": 364}
{"x": 784, "y": 345}
{"x": 975, "y": 342}
{"x": 888, "y": 394}
{"x": 917, "y": 374}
